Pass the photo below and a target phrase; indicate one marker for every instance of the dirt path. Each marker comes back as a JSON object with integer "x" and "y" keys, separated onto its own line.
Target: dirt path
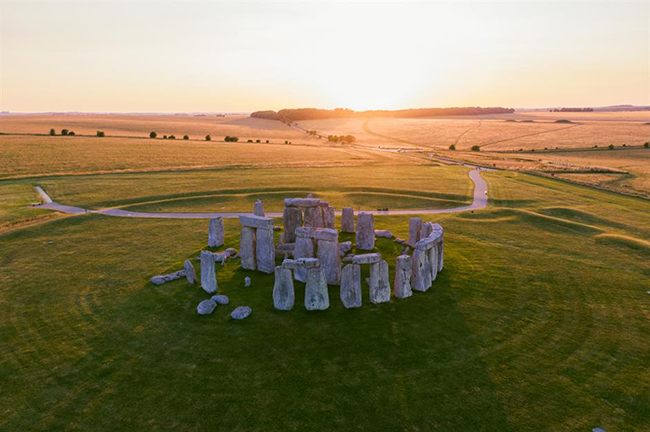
{"x": 479, "y": 201}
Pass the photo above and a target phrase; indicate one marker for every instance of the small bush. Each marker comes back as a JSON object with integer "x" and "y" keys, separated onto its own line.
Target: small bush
{"x": 52, "y": 132}
{"x": 611, "y": 146}
{"x": 476, "y": 148}
{"x": 208, "y": 138}
{"x": 624, "y": 145}
{"x": 229, "y": 138}
{"x": 452, "y": 147}
{"x": 164, "y": 136}
{"x": 101, "y": 134}
{"x": 71, "y": 133}
{"x": 258, "y": 141}
{"x": 286, "y": 142}
{"x": 250, "y": 141}
{"x": 646, "y": 145}
{"x": 153, "y": 134}
{"x": 172, "y": 137}
{"x": 563, "y": 121}
{"x": 267, "y": 141}
{"x": 186, "y": 137}
{"x": 64, "y": 132}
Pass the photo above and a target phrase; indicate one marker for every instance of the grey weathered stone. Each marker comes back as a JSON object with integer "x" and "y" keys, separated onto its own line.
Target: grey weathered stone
{"x": 247, "y": 247}
{"x": 208, "y": 274}
{"x": 221, "y": 299}
{"x": 426, "y": 230}
{"x": 304, "y": 232}
{"x": 301, "y": 202}
{"x": 206, "y": 307}
{"x": 325, "y": 234}
{"x": 403, "y": 269}
{"x": 329, "y": 217}
{"x": 241, "y": 312}
{"x": 283, "y": 294}
{"x": 190, "y": 272}
{"x": 265, "y": 250}
{"x": 426, "y": 243}
{"x": 258, "y": 210}
{"x": 433, "y": 262}
{"x": 348, "y": 258}
{"x": 292, "y": 219}
{"x": 384, "y": 233}
{"x": 304, "y": 249}
{"x": 247, "y": 281}
{"x": 314, "y": 217}
{"x": 307, "y": 262}
{"x": 231, "y": 251}
{"x": 441, "y": 245}
{"x": 371, "y": 258}
{"x": 379, "y": 283}
{"x": 351, "y": 286}
{"x": 161, "y": 279}
{"x": 215, "y": 232}
{"x": 253, "y": 221}
{"x": 316, "y": 295}
{"x": 415, "y": 226}
{"x": 345, "y": 247}
{"x": 330, "y": 261}
{"x": 365, "y": 231}
{"x": 158, "y": 280}
{"x": 400, "y": 241}
{"x": 347, "y": 220}
{"x": 421, "y": 274}
{"x": 221, "y": 257}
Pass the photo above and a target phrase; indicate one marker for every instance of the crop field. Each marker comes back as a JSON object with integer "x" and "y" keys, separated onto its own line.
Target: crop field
{"x": 538, "y": 322}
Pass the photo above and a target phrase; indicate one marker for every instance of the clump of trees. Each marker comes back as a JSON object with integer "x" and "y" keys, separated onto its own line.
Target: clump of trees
{"x": 186, "y": 137}
{"x": 52, "y": 132}
{"x": 64, "y": 132}
{"x": 153, "y": 134}
{"x": 258, "y": 141}
{"x": 452, "y": 147}
{"x": 208, "y": 138}
{"x": 646, "y": 145}
{"x": 611, "y": 146}
{"x": 477, "y": 148}
{"x": 229, "y": 138}
{"x": 172, "y": 137}
{"x": 346, "y": 139}
{"x": 71, "y": 133}
{"x": 101, "y": 134}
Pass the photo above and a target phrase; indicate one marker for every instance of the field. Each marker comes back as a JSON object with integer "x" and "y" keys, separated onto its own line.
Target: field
{"x": 538, "y": 322}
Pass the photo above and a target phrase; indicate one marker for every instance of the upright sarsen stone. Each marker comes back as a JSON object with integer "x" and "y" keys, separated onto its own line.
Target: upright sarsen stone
{"x": 330, "y": 261}
{"x": 292, "y": 219}
{"x": 418, "y": 267}
{"x": 415, "y": 229}
{"x": 379, "y": 283}
{"x": 265, "y": 250}
{"x": 247, "y": 248}
{"x": 347, "y": 220}
{"x": 314, "y": 217}
{"x": 259, "y": 208}
{"x": 215, "y": 232}
{"x": 351, "y": 286}
{"x": 208, "y": 275}
{"x": 403, "y": 277}
{"x": 365, "y": 231}
{"x": 329, "y": 217}
{"x": 304, "y": 249}
{"x": 316, "y": 295}
{"x": 283, "y": 293}
{"x": 190, "y": 273}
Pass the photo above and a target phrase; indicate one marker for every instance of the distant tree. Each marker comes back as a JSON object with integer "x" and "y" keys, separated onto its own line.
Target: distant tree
{"x": 267, "y": 141}
{"x": 646, "y": 145}
{"x": 186, "y": 137}
{"x": 100, "y": 134}
{"x": 286, "y": 142}
{"x": 229, "y": 138}
{"x": 476, "y": 148}
{"x": 64, "y": 132}
{"x": 208, "y": 138}
{"x": 452, "y": 147}
{"x": 611, "y": 146}
{"x": 258, "y": 141}
{"x": 164, "y": 136}
{"x": 624, "y": 145}
{"x": 153, "y": 134}
{"x": 172, "y": 137}
{"x": 52, "y": 132}
{"x": 250, "y": 140}
{"x": 71, "y": 133}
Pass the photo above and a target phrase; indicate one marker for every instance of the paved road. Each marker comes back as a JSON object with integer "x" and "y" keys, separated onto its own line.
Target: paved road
{"x": 479, "y": 202}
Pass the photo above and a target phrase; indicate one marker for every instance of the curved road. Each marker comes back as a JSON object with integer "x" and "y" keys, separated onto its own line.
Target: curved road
{"x": 479, "y": 201}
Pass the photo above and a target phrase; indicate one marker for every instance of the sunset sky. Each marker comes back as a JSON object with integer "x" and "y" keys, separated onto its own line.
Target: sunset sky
{"x": 185, "y": 57}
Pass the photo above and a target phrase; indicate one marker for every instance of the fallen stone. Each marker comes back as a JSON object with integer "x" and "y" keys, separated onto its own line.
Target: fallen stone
{"x": 365, "y": 236}
{"x": 316, "y": 295}
{"x": 247, "y": 248}
{"x": 371, "y": 258}
{"x": 231, "y": 251}
{"x": 206, "y": 307}
{"x": 221, "y": 299}
{"x": 253, "y": 221}
{"x": 208, "y": 272}
{"x": 351, "y": 286}
{"x": 283, "y": 293}
{"x": 345, "y": 247}
{"x": 379, "y": 283}
{"x": 190, "y": 272}
{"x": 292, "y": 219}
{"x": 247, "y": 281}
{"x": 415, "y": 227}
{"x": 403, "y": 269}
{"x": 241, "y": 312}
{"x": 400, "y": 241}
{"x": 348, "y": 258}
{"x": 258, "y": 209}
{"x": 384, "y": 233}
{"x": 158, "y": 280}
{"x": 347, "y": 220}
{"x": 215, "y": 232}
{"x": 301, "y": 202}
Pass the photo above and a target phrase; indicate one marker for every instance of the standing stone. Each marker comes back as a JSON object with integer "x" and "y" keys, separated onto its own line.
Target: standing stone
{"x": 208, "y": 275}
{"x": 329, "y": 217}
{"x": 215, "y": 232}
{"x": 433, "y": 262}
{"x": 403, "y": 277}
{"x": 379, "y": 283}
{"x": 316, "y": 295}
{"x": 259, "y": 208}
{"x": 265, "y": 250}
{"x": 427, "y": 229}
{"x": 313, "y": 217}
{"x": 190, "y": 273}
{"x": 365, "y": 231}
{"x": 347, "y": 220}
{"x": 330, "y": 261}
{"x": 351, "y": 286}
{"x": 304, "y": 249}
{"x": 415, "y": 227}
{"x": 292, "y": 218}
{"x": 247, "y": 248}
{"x": 247, "y": 281}
{"x": 283, "y": 294}
{"x": 419, "y": 268}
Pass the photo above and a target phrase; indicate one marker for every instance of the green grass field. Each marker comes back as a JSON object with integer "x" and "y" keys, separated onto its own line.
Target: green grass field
{"x": 539, "y": 321}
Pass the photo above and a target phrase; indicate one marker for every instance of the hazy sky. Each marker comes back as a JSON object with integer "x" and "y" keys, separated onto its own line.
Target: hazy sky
{"x": 190, "y": 56}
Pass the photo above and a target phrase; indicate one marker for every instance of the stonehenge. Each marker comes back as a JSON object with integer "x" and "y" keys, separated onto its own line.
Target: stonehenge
{"x": 403, "y": 272}
{"x": 316, "y": 295}
{"x": 292, "y": 218}
{"x": 215, "y": 232}
{"x": 351, "y": 286}
{"x": 365, "y": 231}
{"x": 379, "y": 283}
{"x": 347, "y": 220}
{"x": 317, "y": 214}
{"x": 415, "y": 228}
{"x": 323, "y": 244}
{"x": 256, "y": 243}
{"x": 428, "y": 259}
{"x": 283, "y": 293}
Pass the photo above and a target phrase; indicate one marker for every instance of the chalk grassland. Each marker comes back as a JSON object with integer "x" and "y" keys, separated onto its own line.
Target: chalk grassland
{"x": 538, "y": 322}
{"x": 240, "y": 126}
